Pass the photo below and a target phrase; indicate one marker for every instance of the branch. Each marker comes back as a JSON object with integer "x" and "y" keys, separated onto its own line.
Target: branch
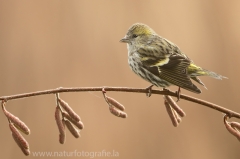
{"x": 229, "y": 113}
{"x": 66, "y": 118}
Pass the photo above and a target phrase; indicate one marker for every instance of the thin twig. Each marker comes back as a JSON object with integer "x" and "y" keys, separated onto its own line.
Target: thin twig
{"x": 230, "y": 113}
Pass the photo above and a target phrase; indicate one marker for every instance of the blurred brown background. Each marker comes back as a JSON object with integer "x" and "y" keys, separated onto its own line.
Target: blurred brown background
{"x": 48, "y": 44}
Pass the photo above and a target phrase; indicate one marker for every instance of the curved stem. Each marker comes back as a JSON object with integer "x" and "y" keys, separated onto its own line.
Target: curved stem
{"x": 230, "y": 113}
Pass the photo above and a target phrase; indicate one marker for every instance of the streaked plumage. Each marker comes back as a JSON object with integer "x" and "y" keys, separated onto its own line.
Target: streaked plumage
{"x": 160, "y": 61}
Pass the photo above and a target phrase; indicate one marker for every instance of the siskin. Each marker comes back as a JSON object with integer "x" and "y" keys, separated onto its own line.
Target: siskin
{"x": 160, "y": 61}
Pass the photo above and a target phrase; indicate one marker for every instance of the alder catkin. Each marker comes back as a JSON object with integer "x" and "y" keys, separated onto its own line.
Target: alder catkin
{"x": 117, "y": 112}
{"x": 20, "y": 125}
{"x": 69, "y": 110}
{"x": 115, "y": 103}
{"x": 78, "y": 124}
{"x": 174, "y": 106}
{"x": 171, "y": 114}
{"x": 59, "y": 122}
{"x": 72, "y": 129}
{"x": 19, "y": 139}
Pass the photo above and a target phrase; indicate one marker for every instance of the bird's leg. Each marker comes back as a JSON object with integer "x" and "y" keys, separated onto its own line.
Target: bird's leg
{"x": 178, "y": 93}
{"x": 149, "y": 89}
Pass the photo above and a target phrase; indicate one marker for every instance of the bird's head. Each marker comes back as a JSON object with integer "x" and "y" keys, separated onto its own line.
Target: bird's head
{"x": 136, "y": 31}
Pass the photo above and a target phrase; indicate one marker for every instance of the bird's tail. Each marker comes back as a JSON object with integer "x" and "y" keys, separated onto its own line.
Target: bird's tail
{"x": 194, "y": 71}
{"x": 213, "y": 74}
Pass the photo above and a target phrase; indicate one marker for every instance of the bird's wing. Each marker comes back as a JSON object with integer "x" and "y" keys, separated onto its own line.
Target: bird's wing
{"x": 167, "y": 65}
{"x": 198, "y": 81}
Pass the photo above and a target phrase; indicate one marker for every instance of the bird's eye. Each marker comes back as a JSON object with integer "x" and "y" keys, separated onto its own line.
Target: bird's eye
{"x": 134, "y": 35}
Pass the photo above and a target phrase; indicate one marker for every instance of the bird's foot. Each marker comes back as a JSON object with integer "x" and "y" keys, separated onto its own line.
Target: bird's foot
{"x": 149, "y": 89}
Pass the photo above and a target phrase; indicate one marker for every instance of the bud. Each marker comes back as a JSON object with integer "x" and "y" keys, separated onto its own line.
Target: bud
{"x": 69, "y": 110}
{"x": 235, "y": 125}
{"x": 19, "y": 139}
{"x": 78, "y": 124}
{"x": 117, "y": 112}
{"x": 170, "y": 113}
{"x": 17, "y": 122}
{"x": 177, "y": 116}
{"x": 233, "y": 131}
{"x": 62, "y": 138}
{"x": 59, "y": 122}
{"x": 72, "y": 129}
{"x": 25, "y": 151}
{"x": 115, "y": 103}
{"x": 174, "y": 105}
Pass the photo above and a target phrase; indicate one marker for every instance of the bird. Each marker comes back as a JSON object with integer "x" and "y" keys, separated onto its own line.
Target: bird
{"x": 161, "y": 62}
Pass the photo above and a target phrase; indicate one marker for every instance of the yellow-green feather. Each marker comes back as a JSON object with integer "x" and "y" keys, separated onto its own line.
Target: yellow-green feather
{"x": 194, "y": 69}
{"x": 141, "y": 29}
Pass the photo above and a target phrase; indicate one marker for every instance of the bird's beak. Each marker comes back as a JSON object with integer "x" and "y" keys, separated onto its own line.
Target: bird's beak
{"x": 125, "y": 40}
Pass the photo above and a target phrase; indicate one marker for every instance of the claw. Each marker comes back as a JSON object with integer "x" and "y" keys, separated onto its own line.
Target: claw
{"x": 149, "y": 89}
{"x": 178, "y": 93}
